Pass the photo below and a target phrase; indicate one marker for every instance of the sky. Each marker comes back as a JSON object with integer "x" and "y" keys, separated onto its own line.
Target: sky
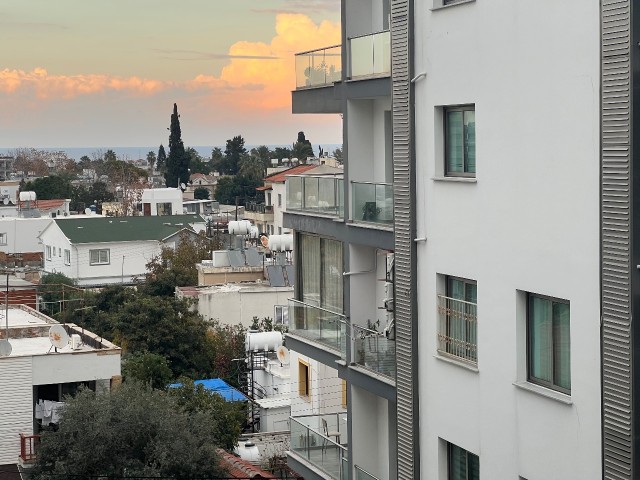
{"x": 84, "y": 73}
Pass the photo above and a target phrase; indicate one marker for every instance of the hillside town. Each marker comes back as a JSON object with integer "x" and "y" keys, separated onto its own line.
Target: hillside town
{"x": 424, "y": 301}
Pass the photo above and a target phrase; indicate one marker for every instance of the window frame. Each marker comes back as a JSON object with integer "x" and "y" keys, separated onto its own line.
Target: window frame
{"x": 48, "y": 251}
{"x": 3, "y": 238}
{"x": 449, "y": 295}
{"x": 471, "y": 107}
{"x": 67, "y": 257}
{"x": 304, "y": 385}
{"x": 530, "y": 378}
{"x": 107, "y": 262}
{"x": 450, "y": 447}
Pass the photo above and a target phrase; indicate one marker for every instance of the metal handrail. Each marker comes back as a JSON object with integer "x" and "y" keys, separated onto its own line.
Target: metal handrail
{"x": 318, "y": 308}
{"x": 369, "y": 34}
{"x": 362, "y": 470}
{"x": 318, "y": 49}
{"x": 386, "y": 184}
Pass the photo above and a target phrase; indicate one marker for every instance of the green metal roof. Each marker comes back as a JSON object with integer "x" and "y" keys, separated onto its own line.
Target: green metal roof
{"x": 124, "y": 229}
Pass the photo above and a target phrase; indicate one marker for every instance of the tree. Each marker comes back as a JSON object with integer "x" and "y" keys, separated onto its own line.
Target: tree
{"x": 148, "y": 368}
{"x": 151, "y": 160}
{"x": 85, "y": 162}
{"x": 196, "y": 163}
{"x": 57, "y": 291}
{"x": 110, "y": 155}
{"x": 302, "y": 148}
{"x": 48, "y": 188}
{"x": 252, "y": 167}
{"x": 241, "y": 186}
{"x": 282, "y": 153}
{"x": 177, "y": 164}
{"x": 161, "y": 161}
{"x": 134, "y": 432}
{"x": 97, "y": 193}
{"x": 233, "y": 152}
{"x": 226, "y": 343}
{"x": 201, "y": 193}
{"x": 337, "y": 153}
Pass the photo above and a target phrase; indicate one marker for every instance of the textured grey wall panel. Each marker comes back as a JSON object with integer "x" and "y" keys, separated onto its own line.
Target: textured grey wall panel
{"x": 615, "y": 207}
{"x": 405, "y": 253}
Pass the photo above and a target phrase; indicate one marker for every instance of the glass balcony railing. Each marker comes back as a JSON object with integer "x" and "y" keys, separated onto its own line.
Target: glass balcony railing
{"x": 370, "y": 55}
{"x": 322, "y": 441}
{"x": 320, "y": 67}
{"x": 372, "y": 202}
{"x": 318, "y": 324}
{"x": 362, "y": 474}
{"x": 374, "y": 351}
{"x": 316, "y": 194}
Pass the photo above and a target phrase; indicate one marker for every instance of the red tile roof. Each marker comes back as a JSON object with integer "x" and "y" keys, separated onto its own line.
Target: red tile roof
{"x": 280, "y": 177}
{"x": 45, "y": 204}
{"x": 239, "y": 468}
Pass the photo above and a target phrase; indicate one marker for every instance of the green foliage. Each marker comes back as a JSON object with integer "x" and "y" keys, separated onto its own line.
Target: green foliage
{"x": 201, "y": 193}
{"x": 233, "y": 152}
{"x": 282, "y": 152}
{"x": 82, "y": 196}
{"x": 133, "y": 432}
{"x": 217, "y": 156}
{"x": 253, "y": 168}
{"x": 226, "y": 344}
{"x": 302, "y": 148}
{"x": 147, "y": 368}
{"x": 48, "y": 188}
{"x": 227, "y": 416}
{"x": 57, "y": 292}
{"x": 161, "y": 161}
{"x": 337, "y": 153}
{"x": 196, "y": 163}
{"x": 241, "y": 186}
{"x": 110, "y": 156}
{"x": 151, "y": 159}
{"x": 177, "y": 164}
{"x": 177, "y": 267}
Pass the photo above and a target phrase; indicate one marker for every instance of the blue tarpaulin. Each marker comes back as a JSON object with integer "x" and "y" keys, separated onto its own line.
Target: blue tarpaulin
{"x": 219, "y": 386}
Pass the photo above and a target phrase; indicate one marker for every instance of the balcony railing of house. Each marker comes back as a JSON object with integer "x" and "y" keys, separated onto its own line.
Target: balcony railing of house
{"x": 258, "y": 207}
{"x": 318, "y": 324}
{"x": 370, "y": 55}
{"x": 317, "y": 68}
{"x": 322, "y": 441}
{"x": 362, "y": 474}
{"x": 372, "y": 202}
{"x": 374, "y": 351}
{"x": 29, "y": 447}
{"x": 316, "y": 194}
{"x": 458, "y": 329}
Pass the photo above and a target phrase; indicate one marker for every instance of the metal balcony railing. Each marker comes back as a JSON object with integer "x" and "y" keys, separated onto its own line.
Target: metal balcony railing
{"x": 374, "y": 351}
{"x": 322, "y": 441}
{"x": 458, "y": 329}
{"x": 370, "y": 55}
{"x": 372, "y": 202}
{"x": 318, "y": 324}
{"x": 316, "y": 194}
{"x": 29, "y": 447}
{"x": 258, "y": 207}
{"x": 317, "y": 68}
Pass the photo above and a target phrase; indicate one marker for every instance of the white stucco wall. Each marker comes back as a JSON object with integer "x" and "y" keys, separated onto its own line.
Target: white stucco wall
{"x": 326, "y": 388}
{"x": 22, "y": 234}
{"x": 529, "y": 224}
{"x": 370, "y": 420}
{"x": 153, "y": 196}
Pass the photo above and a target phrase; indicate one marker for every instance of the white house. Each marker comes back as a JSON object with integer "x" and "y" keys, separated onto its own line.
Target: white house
{"x": 106, "y": 250}
{"x": 161, "y": 201}
{"x": 36, "y": 371}
{"x": 19, "y": 242}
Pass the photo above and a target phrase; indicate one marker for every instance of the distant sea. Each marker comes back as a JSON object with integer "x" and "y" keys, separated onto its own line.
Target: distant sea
{"x": 133, "y": 153}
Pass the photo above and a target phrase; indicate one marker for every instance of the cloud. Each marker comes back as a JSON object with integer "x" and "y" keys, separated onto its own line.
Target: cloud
{"x": 42, "y": 85}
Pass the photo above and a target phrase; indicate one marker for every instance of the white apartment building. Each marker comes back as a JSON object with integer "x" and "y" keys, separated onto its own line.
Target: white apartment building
{"x": 502, "y": 133}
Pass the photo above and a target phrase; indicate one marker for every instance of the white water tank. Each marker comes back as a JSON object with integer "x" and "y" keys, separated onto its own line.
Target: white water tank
{"x": 266, "y": 341}
{"x": 281, "y": 243}
{"x": 27, "y": 196}
{"x": 239, "y": 227}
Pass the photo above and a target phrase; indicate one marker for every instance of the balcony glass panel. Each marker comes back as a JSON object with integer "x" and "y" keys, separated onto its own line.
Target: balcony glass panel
{"x": 370, "y": 55}
{"x": 316, "y": 194}
{"x": 363, "y": 475}
{"x": 318, "y": 324}
{"x": 372, "y": 202}
{"x": 374, "y": 351}
{"x": 319, "y": 67}
{"x": 322, "y": 440}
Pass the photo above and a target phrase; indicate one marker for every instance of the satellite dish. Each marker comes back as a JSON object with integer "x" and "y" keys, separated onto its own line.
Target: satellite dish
{"x": 283, "y": 354}
{"x": 58, "y": 336}
{"x": 183, "y": 187}
{"x": 5, "y": 201}
{"x": 5, "y": 348}
{"x": 264, "y": 240}
{"x": 87, "y": 211}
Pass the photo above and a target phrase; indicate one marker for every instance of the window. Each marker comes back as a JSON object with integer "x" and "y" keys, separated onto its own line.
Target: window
{"x": 3, "y": 238}
{"x": 548, "y": 343}
{"x": 304, "y": 379}
{"x": 59, "y": 251}
{"x": 279, "y": 199}
{"x": 163, "y": 209}
{"x": 463, "y": 465}
{"x": 99, "y": 257}
{"x": 269, "y": 198}
{"x": 458, "y": 319}
{"x": 460, "y": 141}
{"x": 67, "y": 257}
{"x": 48, "y": 252}
{"x": 321, "y": 280}
{"x": 279, "y": 230}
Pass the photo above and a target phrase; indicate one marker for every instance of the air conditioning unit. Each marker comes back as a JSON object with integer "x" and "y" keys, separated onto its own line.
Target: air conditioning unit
{"x": 76, "y": 341}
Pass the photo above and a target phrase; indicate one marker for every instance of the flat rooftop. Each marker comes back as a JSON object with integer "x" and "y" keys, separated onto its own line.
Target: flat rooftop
{"x": 19, "y": 317}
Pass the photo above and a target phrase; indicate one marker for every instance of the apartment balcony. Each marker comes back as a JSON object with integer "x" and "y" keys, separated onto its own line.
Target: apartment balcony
{"x": 316, "y": 195}
{"x": 317, "y": 72}
{"x": 458, "y": 329}
{"x": 369, "y": 68}
{"x": 320, "y": 325}
{"x": 374, "y": 351}
{"x": 258, "y": 212}
{"x": 322, "y": 441}
{"x": 372, "y": 203}
{"x": 362, "y": 474}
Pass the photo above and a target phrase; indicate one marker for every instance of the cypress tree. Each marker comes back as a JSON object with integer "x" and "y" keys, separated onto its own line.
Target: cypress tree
{"x": 161, "y": 159}
{"x": 177, "y": 164}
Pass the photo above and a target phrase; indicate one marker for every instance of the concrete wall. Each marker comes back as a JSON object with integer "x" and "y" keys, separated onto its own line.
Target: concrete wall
{"x": 370, "y": 420}
{"x": 326, "y": 389}
{"x": 528, "y": 224}
{"x": 22, "y": 234}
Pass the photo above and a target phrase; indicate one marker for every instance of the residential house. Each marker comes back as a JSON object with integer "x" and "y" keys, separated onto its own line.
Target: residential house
{"x": 200, "y": 180}
{"x": 37, "y": 371}
{"x": 161, "y": 201}
{"x": 19, "y": 243}
{"x": 97, "y": 251}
